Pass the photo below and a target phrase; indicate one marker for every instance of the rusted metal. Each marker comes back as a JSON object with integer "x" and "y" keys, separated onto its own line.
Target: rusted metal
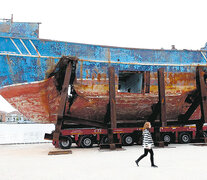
{"x": 64, "y": 93}
{"x": 159, "y": 108}
{"x": 21, "y": 43}
{"x": 154, "y": 114}
{"x": 79, "y": 121}
{"x": 96, "y": 99}
{"x": 111, "y": 114}
{"x": 87, "y": 104}
{"x": 8, "y": 28}
{"x": 196, "y": 102}
{"x": 162, "y": 101}
{"x": 26, "y": 60}
{"x": 112, "y": 106}
{"x": 112, "y": 97}
{"x": 196, "y": 98}
{"x": 201, "y": 86}
{"x": 147, "y": 75}
{"x": 199, "y": 130}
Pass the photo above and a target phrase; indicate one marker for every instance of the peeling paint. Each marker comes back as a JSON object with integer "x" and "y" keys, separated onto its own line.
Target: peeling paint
{"x": 19, "y": 29}
{"x": 26, "y": 59}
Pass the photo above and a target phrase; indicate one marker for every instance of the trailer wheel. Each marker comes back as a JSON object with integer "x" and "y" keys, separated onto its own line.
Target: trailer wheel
{"x": 66, "y": 144}
{"x": 167, "y": 138}
{"x": 184, "y": 137}
{"x": 86, "y": 141}
{"x": 127, "y": 140}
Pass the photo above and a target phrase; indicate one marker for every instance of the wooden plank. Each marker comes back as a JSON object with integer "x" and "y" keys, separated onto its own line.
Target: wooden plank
{"x": 60, "y": 152}
{"x": 113, "y": 146}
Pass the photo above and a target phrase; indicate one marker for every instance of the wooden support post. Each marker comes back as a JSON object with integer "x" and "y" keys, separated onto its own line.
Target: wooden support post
{"x": 61, "y": 108}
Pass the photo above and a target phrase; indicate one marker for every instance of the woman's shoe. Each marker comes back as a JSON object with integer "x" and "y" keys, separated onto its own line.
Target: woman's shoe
{"x": 154, "y": 166}
{"x": 136, "y": 163}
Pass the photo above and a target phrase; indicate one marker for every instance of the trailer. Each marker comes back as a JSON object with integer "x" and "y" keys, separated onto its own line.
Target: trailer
{"x": 86, "y": 138}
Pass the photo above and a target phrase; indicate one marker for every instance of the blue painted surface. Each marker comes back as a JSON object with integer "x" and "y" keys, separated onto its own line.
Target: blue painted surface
{"x": 19, "y": 29}
{"x": 28, "y": 59}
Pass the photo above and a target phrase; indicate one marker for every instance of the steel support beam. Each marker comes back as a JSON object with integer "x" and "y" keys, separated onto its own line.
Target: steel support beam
{"x": 185, "y": 117}
{"x": 78, "y": 121}
{"x": 61, "y": 109}
{"x": 112, "y": 106}
{"x": 112, "y": 97}
{"x": 161, "y": 107}
{"x": 161, "y": 89}
{"x": 111, "y": 112}
{"x": 199, "y": 99}
{"x": 147, "y": 79}
{"x": 201, "y": 86}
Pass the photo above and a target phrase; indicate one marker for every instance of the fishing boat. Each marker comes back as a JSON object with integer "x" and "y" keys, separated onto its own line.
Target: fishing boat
{"x": 29, "y": 64}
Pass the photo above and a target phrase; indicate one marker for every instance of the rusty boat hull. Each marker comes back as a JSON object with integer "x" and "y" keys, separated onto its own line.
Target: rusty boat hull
{"x": 26, "y": 61}
{"x": 39, "y": 101}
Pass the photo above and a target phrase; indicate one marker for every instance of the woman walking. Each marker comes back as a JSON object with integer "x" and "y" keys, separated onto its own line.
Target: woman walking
{"x": 147, "y": 144}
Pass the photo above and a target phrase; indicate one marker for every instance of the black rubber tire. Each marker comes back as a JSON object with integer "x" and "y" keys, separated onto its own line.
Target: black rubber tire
{"x": 127, "y": 140}
{"x": 86, "y": 141}
{"x": 166, "y": 137}
{"x": 66, "y": 144}
{"x": 184, "y": 138}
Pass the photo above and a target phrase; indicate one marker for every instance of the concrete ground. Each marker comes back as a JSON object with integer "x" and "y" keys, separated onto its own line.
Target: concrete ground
{"x": 31, "y": 161}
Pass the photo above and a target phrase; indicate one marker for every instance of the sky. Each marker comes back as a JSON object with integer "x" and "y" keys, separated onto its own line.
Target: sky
{"x": 150, "y": 24}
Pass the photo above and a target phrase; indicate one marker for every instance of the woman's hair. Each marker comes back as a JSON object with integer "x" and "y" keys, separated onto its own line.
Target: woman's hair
{"x": 146, "y": 125}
